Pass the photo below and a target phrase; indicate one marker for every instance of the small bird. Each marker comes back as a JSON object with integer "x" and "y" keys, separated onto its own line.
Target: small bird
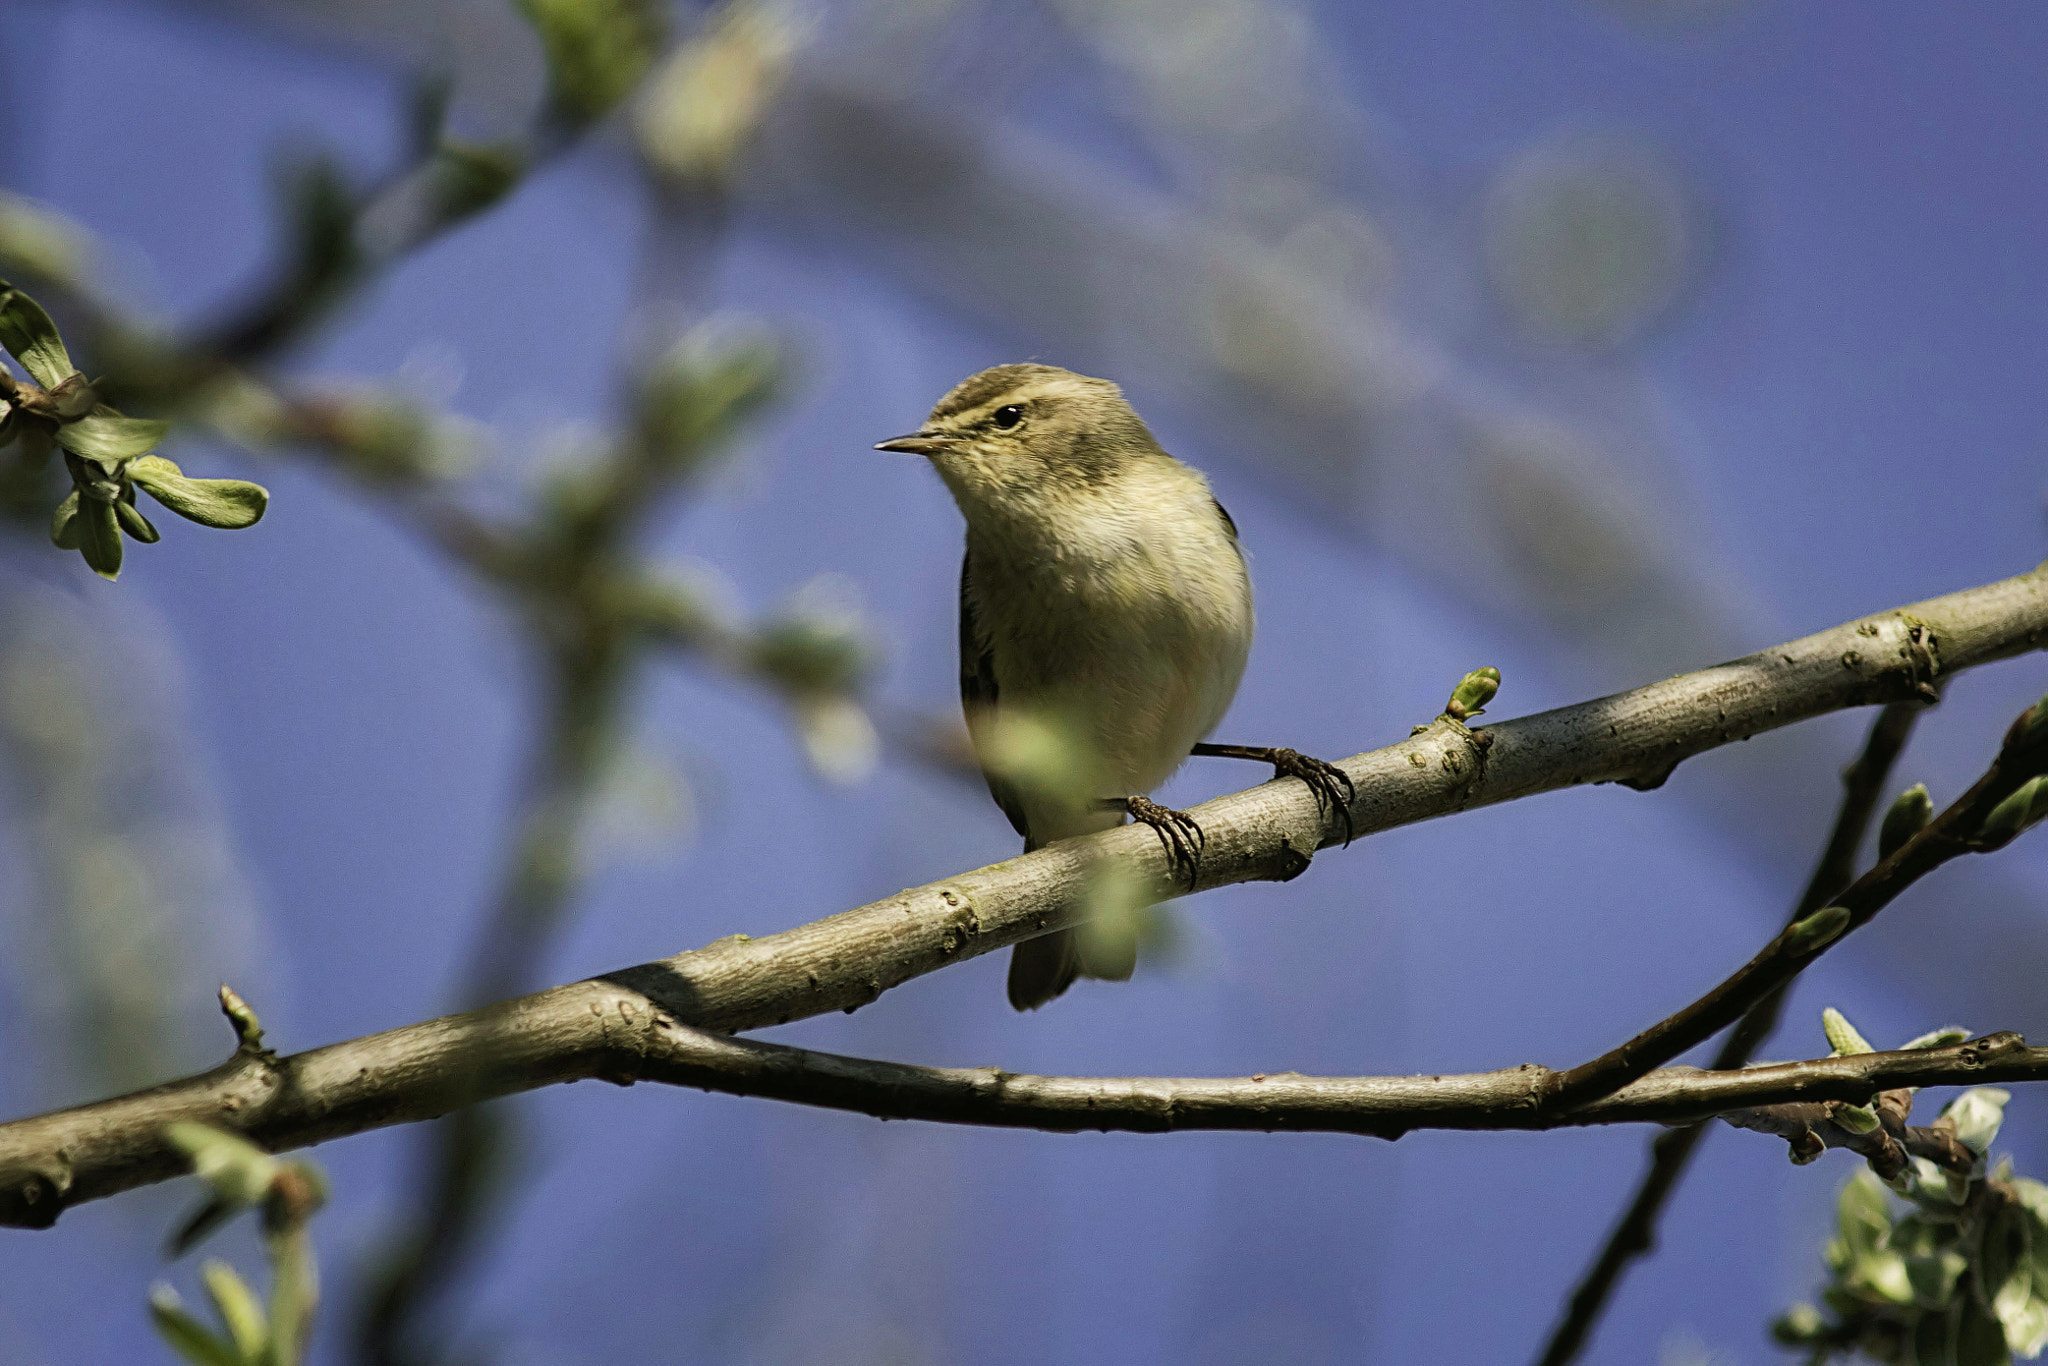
{"x": 1103, "y": 592}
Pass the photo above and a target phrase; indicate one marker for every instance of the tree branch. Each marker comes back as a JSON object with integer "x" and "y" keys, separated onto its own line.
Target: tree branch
{"x": 593, "y": 1029}
{"x": 1961, "y": 829}
{"x": 1863, "y": 784}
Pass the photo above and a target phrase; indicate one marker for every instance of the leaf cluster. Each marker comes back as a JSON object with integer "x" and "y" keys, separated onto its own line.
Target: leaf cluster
{"x": 106, "y": 453}
{"x": 1933, "y": 1266}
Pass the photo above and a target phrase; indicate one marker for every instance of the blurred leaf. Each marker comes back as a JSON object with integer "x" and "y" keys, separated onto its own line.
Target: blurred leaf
{"x": 112, "y": 437}
{"x": 31, "y": 338}
{"x": 701, "y": 388}
{"x": 226, "y": 503}
{"x": 838, "y": 737}
{"x": 1976, "y": 1115}
{"x": 38, "y": 242}
{"x": 237, "y": 1169}
{"x": 704, "y": 105}
{"x": 236, "y": 1304}
{"x": 597, "y": 50}
{"x": 1589, "y": 239}
{"x": 1980, "y": 1340}
{"x": 186, "y": 1336}
{"x": 65, "y": 531}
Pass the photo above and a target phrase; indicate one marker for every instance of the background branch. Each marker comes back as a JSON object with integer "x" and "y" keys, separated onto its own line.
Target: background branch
{"x": 846, "y": 960}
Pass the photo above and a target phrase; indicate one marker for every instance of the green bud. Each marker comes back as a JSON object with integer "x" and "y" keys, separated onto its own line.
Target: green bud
{"x": 1818, "y": 930}
{"x": 134, "y": 523}
{"x": 2009, "y": 817}
{"x": 65, "y": 533}
{"x": 1472, "y": 694}
{"x": 1842, "y": 1036}
{"x": 2033, "y": 725}
{"x": 1856, "y": 1119}
{"x": 1908, "y": 816}
{"x": 226, "y": 503}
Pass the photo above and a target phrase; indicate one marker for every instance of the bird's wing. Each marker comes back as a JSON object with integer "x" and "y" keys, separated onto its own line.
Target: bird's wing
{"x": 978, "y": 688}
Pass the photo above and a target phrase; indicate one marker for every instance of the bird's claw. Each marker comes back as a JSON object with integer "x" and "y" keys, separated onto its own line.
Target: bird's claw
{"x": 1178, "y": 831}
{"x": 1331, "y": 784}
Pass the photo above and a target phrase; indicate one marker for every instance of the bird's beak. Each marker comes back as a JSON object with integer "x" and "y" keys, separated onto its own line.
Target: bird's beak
{"x": 917, "y": 443}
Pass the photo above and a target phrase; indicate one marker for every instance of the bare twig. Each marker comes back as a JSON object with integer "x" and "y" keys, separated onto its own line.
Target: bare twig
{"x": 1863, "y": 784}
{"x": 847, "y": 960}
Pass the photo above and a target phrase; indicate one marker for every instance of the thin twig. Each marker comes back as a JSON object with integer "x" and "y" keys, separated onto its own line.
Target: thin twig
{"x": 1955, "y": 832}
{"x": 1863, "y": 784}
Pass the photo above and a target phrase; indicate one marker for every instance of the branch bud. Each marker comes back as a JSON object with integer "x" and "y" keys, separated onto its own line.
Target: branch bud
{"x": 1818, "y": 930}
{"x": 1908, "y": 816}
{"x": 1472, "y": 694}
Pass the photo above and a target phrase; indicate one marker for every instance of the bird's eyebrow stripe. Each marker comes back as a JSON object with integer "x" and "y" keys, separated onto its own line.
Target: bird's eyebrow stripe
{"x": 981, "y": 408}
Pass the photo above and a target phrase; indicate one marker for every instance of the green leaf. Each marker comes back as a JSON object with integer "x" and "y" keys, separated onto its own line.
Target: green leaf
{"x": 1934, "y": 1336}
{"x": 226, "y": 503}
{"x": 65, "y": 533}
{"x": 112, "y": 437}
{"x": 187, "y": 1336}
{"x": 1864, "y": 1214}
{"x": 1980, "y": 1340}
{"x": 236, "y": 1304}
{"x": 134, "y": 523}
{"x": 294, "y": 1294}
{"x": 31, "y": 338}
{"x": 99, "y": 541}
{"x": 2005, "y": 1269}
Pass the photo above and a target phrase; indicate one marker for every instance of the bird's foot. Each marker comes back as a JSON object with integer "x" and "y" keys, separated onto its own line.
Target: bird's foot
{"x": 1332, "y": 786}
{"x": 1177, "y": 831}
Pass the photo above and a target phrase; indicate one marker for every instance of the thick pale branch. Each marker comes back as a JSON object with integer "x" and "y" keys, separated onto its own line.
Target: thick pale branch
{"x": 847, "y": 960}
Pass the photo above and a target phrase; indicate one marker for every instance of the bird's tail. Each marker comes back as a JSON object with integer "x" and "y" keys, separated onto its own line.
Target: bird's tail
{"x": 1042, "y": 968}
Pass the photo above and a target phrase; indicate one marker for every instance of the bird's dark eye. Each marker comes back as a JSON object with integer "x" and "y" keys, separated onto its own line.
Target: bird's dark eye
{"x": 1009, "y": 415}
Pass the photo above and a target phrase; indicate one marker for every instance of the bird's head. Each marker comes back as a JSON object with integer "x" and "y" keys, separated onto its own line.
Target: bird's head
{"x": 1021, "y": 433}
